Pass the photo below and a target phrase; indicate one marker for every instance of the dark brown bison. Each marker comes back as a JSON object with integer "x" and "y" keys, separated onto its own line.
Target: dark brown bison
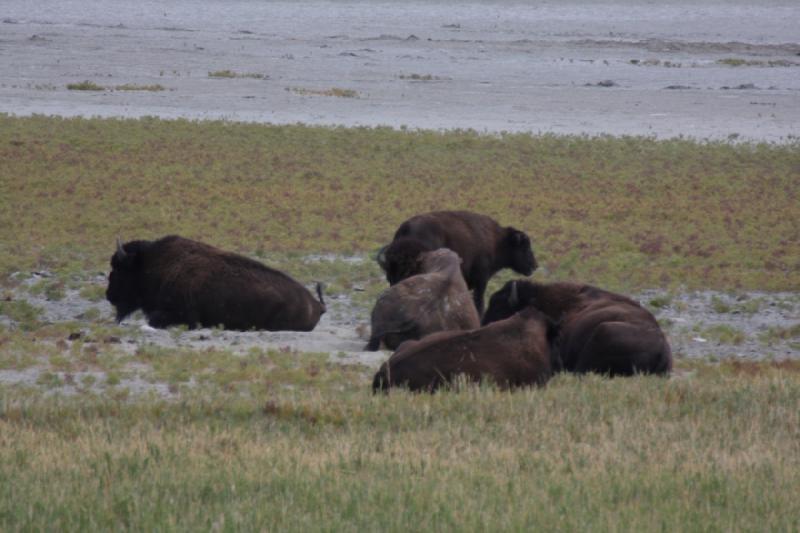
{"x": 179, "y": 281}
{"x": 599, "y": 331}
{"x": 435, "y": 300}
{"x": 483, "y": 245}
{"x": 513, "y": 352}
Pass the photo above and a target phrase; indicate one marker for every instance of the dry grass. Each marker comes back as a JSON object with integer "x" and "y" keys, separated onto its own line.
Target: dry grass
{"x": 719, "y": 451}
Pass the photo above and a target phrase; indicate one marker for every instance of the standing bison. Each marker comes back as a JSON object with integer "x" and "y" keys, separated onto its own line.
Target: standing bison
{"x": 513, "y": 352}
{"x": 435, "y": 300}
{"x": 600, "y": 331}
{"x": 483, "y": 245}
{"x": 180, "y": 281}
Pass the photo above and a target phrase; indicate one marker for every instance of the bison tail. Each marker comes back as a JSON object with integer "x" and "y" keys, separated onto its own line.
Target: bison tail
{"x": 321, "y": 299}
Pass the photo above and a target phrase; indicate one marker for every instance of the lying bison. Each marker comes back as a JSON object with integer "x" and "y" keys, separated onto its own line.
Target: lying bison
{"x": 180, "y": 281}
{"x": 600, "y": 331}
{"x": 512, "y": 352}
{"x": 435, "y": 300}
{"x": 483, "y": 245}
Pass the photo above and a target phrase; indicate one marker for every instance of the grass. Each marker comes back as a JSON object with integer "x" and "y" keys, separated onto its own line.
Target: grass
{"x": 85, "y": 86}
{"x": 739, "y": 62}
{"x": 336, "y": 91}
{"x": 419, "y": 77}
{"x": 715, "y": 451}
{"x": 135, "y": 87}
{"x": 623, "y": 213}
{"x": 281, "y": 440}
{"x": 232, "y": 74}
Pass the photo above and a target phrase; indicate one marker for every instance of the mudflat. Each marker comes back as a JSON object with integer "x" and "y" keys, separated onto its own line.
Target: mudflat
{"x": 706, "y": 69}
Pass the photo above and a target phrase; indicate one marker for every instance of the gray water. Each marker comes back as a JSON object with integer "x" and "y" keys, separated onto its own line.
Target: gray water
{"x": 621, "y": 67}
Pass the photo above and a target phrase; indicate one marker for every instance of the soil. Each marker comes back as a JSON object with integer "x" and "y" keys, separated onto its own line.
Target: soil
{"x": 706, "y": 325}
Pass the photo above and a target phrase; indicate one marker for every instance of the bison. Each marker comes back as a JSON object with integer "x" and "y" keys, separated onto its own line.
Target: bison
{"x": 180, "y": 281}
{"x": 483, "y": 245}
{"x": 600, "y": 331}
{"x": 435, "y": 300}
{"x": 513, "y": 352}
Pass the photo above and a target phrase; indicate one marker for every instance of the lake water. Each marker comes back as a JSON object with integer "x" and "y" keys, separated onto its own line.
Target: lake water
{"x": 707, "y": 69}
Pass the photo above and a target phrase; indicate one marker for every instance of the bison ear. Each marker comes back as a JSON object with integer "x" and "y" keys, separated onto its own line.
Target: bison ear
{"x": 123, "y": 258}
{"x": 518, "y": 238}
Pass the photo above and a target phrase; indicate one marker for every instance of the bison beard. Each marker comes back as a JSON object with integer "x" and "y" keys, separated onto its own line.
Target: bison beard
{"x": 600, "y": 331}
{"x": 180, "y": 281}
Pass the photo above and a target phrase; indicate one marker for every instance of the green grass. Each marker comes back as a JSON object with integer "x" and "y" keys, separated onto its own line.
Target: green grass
{"x": 619, "y": 212}
{"x": 717, "y": 451}
{"x": 135, "y": 87}
{"x": 231, "y": 74}
{"x": 335, "y": 91}
{"x": 85, "y": 86}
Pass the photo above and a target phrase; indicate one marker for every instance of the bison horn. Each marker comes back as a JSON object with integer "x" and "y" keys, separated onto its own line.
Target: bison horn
{"x": 120, "y": 249}
{"x": 513, "y": 299}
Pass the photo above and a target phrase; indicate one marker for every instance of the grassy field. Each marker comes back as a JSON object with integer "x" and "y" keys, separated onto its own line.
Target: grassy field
{"x": 619, "y": 212}
{"x": 283, "y": 440}
{"x": 715, "y": 450}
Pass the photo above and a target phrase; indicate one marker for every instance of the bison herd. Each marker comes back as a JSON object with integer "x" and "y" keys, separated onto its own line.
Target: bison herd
{"x": 438, "y": 266}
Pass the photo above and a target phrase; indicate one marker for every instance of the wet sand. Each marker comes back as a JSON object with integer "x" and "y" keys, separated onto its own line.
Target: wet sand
{"x": 707, "y": 69}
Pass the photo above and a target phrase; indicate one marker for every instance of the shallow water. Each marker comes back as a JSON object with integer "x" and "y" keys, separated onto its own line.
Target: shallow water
{"x": 619, "y": 67}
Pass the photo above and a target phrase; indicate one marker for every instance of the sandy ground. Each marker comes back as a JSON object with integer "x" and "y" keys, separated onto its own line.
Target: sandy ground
{"x": 573, "y": 66}
{"x": 695, "y": 322}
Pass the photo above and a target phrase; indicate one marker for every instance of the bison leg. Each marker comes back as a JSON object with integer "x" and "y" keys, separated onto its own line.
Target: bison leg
{"x": 621, "y": 349}
{"x": 373, "y": 345}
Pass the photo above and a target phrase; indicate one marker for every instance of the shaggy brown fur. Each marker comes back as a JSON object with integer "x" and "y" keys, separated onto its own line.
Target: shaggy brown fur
{"x": 483, "y": 245}
{"x": 180, "y": 281}
{"x": 513, "y": 352}
{"x": 600, "y": 331}
{"x": 436, "y": 300}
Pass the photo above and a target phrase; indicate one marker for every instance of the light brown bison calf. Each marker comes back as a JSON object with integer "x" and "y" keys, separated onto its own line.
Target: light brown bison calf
{"x": 513, "y": 352}
{"x": 436, "y": 300}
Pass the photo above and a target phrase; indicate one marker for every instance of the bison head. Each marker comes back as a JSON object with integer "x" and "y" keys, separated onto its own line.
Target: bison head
{"x": 124, "y": 287}
{"x": 512, "y": 298}
{"x": 401, "y": 259}
{"x": 521, "y": 257}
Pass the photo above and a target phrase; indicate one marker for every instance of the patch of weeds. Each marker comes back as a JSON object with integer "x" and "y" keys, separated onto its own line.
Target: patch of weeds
{"x": 85, "y": 85}
{"x": 232, "y": 74}
{"x": 418, "y": 77}
{"x": 724, "y": 334}
{"x": 24, "y": 314}
{"x": 775, "y": 334}
{"x": 719, "y": 305}
{"x": 113, "y": 379}
{"x": 335, "y": 91}
{"x": 655, "y": 63}
{"x": 93, "y": 293}
{"x": 49, "y": 380}
{"x": 739, "y": 62}
{"x": 91, "y": 314}
{"x": 134, "y": 87}
{"x": 88, "y": 380}
{"x": 660, "y": 302}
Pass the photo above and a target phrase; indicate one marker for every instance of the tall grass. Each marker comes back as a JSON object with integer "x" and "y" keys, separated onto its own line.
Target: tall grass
{"x": 719, "y": 451}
